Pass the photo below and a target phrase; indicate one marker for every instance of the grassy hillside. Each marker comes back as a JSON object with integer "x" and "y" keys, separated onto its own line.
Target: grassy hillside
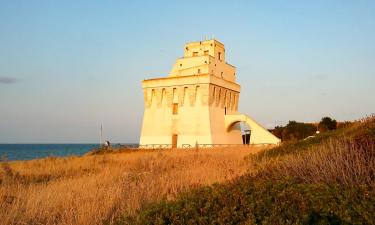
{"x": 325, "y": 180}
{"x": 329, "y": 179}
{"x": 96, "y": 189}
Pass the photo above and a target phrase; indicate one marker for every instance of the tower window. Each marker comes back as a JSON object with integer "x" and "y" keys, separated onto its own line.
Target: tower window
{"x": 195, "y": 53}
{"x": 180, "y": 64}
{"x": 219, "y": 55}
{"x": 199, "y": 71}
{"x": 175, "y": 108}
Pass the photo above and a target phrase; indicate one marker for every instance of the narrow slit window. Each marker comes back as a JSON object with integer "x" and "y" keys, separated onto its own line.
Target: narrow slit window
{"x": 162, "y": 95}
{"x": 175, "y": 108}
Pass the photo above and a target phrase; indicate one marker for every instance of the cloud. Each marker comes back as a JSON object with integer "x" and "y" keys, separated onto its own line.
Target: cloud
{"x": 7, "y": 80}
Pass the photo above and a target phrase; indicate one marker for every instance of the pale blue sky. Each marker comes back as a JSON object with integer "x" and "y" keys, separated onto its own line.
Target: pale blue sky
{"x": 67, "y": 66}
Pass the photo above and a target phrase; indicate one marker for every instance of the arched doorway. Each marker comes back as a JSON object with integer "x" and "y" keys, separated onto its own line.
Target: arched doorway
{"x": 239, "y": 132}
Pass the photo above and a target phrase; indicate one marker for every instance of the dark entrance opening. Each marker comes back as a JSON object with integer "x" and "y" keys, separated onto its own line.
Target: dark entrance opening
{"x": 246, "y": 137}
{"x": 174, "y": 140}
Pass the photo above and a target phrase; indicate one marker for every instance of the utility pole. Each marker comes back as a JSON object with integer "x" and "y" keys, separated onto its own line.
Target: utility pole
{"x": 101, "y": 134}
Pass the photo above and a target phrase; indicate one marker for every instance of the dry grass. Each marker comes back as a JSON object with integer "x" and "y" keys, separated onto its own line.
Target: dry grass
{"x": 344, "y": 161}
{"x": 345, "y": 156}
{"x": 98, "y": 188}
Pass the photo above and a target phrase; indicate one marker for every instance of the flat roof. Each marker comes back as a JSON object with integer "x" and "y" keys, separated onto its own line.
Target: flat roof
{"x": 203, "y": 42}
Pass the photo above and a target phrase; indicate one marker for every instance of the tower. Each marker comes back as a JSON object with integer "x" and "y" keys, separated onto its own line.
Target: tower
{"x": 198, "y": 102}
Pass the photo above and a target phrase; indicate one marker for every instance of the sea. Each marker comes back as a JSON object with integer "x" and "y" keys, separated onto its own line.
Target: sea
{"x": 13, "y": 152}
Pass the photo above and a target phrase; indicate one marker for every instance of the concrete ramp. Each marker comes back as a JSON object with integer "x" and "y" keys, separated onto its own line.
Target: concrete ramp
{"x": 259, "y": 134}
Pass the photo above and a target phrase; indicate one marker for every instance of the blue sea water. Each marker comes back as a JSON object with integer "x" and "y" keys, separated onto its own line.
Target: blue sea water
{"x": 33, "y": 151}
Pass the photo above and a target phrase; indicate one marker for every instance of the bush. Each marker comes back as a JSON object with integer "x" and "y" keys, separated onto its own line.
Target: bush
{"x": 294, "y": 131}
{"x": 327, "y": 123}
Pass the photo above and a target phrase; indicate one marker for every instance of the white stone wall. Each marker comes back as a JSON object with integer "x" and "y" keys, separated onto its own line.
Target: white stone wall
{"x": 200, "y": 118}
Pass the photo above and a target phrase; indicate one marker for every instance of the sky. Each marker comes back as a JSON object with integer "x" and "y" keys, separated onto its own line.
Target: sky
{"x": 68, "y": 66}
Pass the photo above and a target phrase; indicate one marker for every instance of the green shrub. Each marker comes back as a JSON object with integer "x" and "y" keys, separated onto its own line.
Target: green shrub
{"x": 327, "y": 123}
{"x": 294, "y": 131}
{"x": 249, "y": 201}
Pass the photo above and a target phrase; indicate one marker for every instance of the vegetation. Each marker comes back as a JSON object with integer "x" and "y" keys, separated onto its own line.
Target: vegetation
{"x": 294, "y": 131}
{"x": 327, "y": 123}
{"x": 96, "y": 189}
{"x": 328, "y": 179}
{"x": 325, "y": 180}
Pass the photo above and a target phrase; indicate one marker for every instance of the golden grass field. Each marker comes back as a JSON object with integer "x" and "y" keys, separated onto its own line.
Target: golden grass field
{"x": 98, "y": 188}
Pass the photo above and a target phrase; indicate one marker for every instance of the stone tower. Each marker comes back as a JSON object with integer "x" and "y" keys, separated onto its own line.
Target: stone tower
{"x": 197, "y": 103}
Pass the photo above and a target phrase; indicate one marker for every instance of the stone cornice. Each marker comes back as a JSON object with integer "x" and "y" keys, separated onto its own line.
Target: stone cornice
{"x": 190, "y": 80}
